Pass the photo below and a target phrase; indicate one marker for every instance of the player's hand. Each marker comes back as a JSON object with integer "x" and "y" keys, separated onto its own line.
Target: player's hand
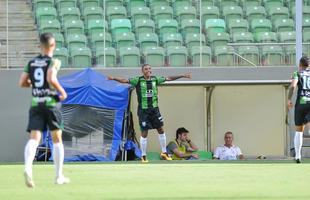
{"x": 63, "y": 96}
{"x": 187, "y": 75}
{"x": 289, "y": 104}
{"x": 110, "y": 78}
{"x": 195, "y": 156}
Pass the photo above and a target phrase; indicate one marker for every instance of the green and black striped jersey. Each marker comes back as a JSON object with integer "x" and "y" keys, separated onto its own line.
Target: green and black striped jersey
{"x": 42, "y": 92}
{"x": 303, "y": 93}
{"x": 147, "y": 91}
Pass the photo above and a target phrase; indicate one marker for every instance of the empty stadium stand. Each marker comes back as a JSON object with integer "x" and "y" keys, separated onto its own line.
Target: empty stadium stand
{"x": 256, "y": 30}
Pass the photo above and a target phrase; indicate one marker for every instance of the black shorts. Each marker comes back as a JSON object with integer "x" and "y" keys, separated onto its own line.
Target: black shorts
{"x": 43, "y": 118}
{"x": 302, "y": 114}
{"x": 150, "y": 118}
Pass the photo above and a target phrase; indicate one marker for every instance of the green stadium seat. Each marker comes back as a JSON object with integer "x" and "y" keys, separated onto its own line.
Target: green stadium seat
{"x": 135, "y": 3}
{"x": 140, "y": 13}
{"x": 272, "y": 55}
{"x": 246, "y": 3}
{"x": 60, "y": 41}
{"x": 63, "y": 56}
{"x": 224, "y": 56}
{"x": 210, "y": 12}
{"x": 124, "y": 40}
{"x": 155, "y": 3}
{"x": 167, "y": 26}
{"x": 81, "y": 57}
{"x": 42, "y": 3}
{"x": 105, "y": 57}
{"x": 305, "y": 12}
{"x": 177, "y": 56}
{"x": 162, "y": 12}
{"x": 190, "y": 26}
{"x": 101, "y": 40}
{"x": 270, "y": 3}
{"x": 65, "y": 4}
{"x": 116, "y": 12}
{"x": 305, "y": 37}
{"x": 248, "y": 53}
{"x": 266, "y": 37}
{"x": 46, "y": 13}
{"x": 283, "y": 25}
{"x": 88, "y": 3}
{"x": 73, "y": 27}
{"x": 232, "y": 12}
{"x": 120, "y": 26}
{"x": 52, "y": 26}
{"x": 238, "y": 25}
{"x": 194, "y": 39}
{"x": 290, "y": 53}
{"x": 129, "y": 57}
{"x": 185, "y": 12}
{"x": 260, "y": 25}
{"x": 144, "y": 26}
{"x": 181, "y": 3}
{"x": 69, "y": 13}
{"x": 148, "y": 40}
{"x": 285, "y": 37}
{"x": 172, "y": 39}
{"x": 255, "y": 12}
{"x": 204, "y": 3}
{"x": 91, "y": 13}
{"x": 242, "y": 37}
{"x": 215, "y": 25}
{"x": 223, "y": 3}
{"x": 204, "y": 52}
{"x": 75, "y": 41}
{"x": 306, "y": 25}
{"x": 96, "y": 26}
{"x": 279, "y": 12}
{"x": 155, "y": 56}
{"x": 218, "y": 39}
{"x": 109, "y": 3}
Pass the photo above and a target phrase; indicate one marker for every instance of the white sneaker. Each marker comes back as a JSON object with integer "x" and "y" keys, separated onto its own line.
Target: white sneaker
{"x": 62, "y": 180}
{"x": 28, "y": 180}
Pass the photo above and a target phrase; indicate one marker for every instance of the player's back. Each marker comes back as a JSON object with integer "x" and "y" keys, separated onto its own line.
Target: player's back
{"x": 303, "y": 93}
{"x": 42, "y": 93}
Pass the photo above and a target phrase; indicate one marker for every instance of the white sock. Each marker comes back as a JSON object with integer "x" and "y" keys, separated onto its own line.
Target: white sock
{"x": 298, "y": 144}
{"x": 58, "y": 156}
{"x": 29, "y": 154}
{"x": 162, "y": 142}
{"x": 143, "y": 144}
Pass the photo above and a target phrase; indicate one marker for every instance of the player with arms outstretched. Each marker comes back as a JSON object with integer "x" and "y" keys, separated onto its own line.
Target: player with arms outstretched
{"x": 41, "y": 74}
{"x": 148, "y": 111}
{"x": 301, "y": 79}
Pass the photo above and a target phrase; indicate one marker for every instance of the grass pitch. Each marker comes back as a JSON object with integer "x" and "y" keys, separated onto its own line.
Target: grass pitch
{"x": 162, "y": 180}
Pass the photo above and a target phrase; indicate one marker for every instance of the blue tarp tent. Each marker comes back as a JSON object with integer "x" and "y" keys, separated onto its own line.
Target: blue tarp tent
{"x": 90, "y": 89}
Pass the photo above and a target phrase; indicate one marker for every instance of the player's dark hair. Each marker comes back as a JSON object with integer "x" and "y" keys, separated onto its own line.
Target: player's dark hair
{"x": 304, "y": 61}
{"x": 46, "y": 39}
{"x": 144, "y": 65}
{"x": 180, "y": 131}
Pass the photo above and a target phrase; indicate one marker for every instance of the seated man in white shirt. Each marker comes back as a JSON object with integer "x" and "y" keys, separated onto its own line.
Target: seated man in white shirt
{"x": 228, "y": 151}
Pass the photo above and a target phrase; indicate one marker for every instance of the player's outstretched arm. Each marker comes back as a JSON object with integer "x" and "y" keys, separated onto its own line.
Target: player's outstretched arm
{"x": 172, "y": 78}
{"x": 53, "y": 81}
{"x": 24, "y": 81}
{"x": 120, "y": 80}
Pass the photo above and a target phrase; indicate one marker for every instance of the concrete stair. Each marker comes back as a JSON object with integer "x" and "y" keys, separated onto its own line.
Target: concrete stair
{"x": 22, "y": 38}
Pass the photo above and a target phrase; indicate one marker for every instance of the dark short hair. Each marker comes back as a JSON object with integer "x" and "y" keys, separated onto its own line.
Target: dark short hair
{"x": 180, "y": 131}
{"x": 144, "y": 65}
{"x": 304, "y": 61}
{"x": 46, "y": 38}
{"x": 229, "y": 132}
